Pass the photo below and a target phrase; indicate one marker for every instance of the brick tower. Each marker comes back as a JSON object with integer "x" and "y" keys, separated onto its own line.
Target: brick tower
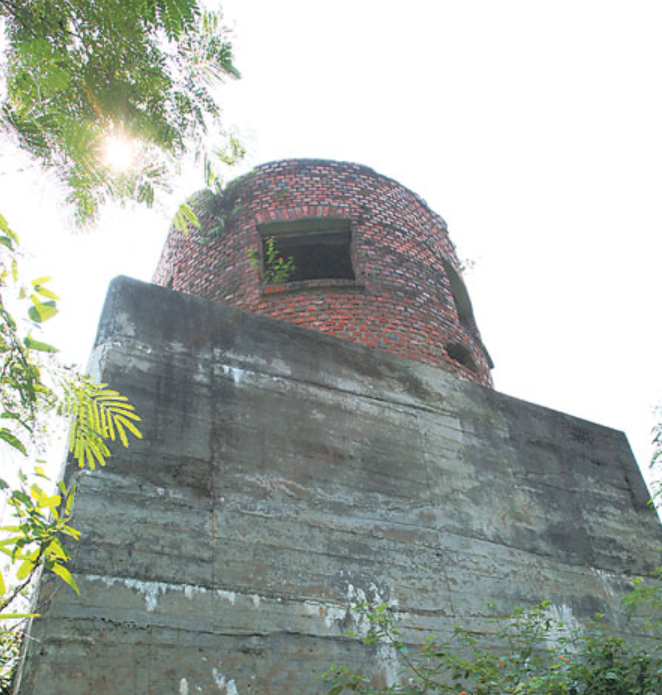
{"x": 285, "y": 476}
{"x": 373, "y": 263}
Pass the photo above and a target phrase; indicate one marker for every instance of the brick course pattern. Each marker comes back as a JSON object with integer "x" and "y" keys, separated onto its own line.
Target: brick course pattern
{"x": 401, "y": 300}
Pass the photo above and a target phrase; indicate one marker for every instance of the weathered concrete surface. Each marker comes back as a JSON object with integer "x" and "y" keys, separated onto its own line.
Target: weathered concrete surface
{"x": 285, "y": 475}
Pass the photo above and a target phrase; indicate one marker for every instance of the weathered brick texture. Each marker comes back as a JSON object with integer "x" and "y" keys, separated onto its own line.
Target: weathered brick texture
{"x": 401, "y": 300}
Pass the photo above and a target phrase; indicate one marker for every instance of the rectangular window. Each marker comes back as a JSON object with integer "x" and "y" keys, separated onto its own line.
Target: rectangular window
{"x": 320, "y": 248}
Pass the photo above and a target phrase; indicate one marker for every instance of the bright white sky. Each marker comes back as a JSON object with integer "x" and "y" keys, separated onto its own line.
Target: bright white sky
{"x": 534, "y": 128}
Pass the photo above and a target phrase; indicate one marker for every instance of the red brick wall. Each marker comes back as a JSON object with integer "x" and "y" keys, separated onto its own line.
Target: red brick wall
{"x": 401, "y": 301}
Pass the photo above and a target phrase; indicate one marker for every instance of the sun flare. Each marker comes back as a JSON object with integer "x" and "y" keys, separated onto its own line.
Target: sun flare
{"x": 119, "y": 152}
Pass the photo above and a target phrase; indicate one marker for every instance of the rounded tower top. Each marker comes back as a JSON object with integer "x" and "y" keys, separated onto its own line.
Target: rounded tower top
{"x": 334, "y": 247}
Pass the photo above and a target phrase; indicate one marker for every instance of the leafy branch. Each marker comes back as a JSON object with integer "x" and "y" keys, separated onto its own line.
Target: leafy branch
{"x": 32, "y": 385}
{"x": 81, "y": 73}
{"x": 35, "y": 539}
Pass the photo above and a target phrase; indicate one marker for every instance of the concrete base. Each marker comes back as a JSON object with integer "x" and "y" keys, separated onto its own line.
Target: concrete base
{"x": 285, "y": 475}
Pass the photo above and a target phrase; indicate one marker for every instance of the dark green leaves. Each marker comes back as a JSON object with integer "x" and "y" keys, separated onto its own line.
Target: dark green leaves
{"x": 176, "y": 15}
{"x": 80, "y": 71}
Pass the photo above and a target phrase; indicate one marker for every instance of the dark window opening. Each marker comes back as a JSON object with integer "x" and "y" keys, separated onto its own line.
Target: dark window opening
{"x": 320, "y": 249}
{"x": 461, "y": 354}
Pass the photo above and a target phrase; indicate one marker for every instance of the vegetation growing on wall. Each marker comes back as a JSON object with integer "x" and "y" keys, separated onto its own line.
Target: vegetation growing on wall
{"x": 275, "y": 267}
{"x": 527, "y": 652}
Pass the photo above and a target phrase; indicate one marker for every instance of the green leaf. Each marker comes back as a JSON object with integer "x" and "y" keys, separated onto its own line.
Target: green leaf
{"x": 45, "y": 292}
{"x": 18, "y": 616}
{"x": 4, "y": 227}
{"x": 41, "y": 311}
{"x": 20, "y": 495}
{"x": 70, "y": 500}
{"x": 56, "y": 550}
{"x": 12, "y": 440}
{"x": 64, "y": 574}
{"x": 185, "y": 216}
{"x": 44, "y": 500}
{"x": 24, "y": 570}
{"x": 33, "y": 344}
{"x": 74, "y": 533}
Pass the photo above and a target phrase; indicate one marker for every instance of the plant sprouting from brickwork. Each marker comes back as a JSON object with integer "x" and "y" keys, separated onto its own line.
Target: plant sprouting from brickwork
{"x": 467, "y": 265}
{"x": 276, "y": 268}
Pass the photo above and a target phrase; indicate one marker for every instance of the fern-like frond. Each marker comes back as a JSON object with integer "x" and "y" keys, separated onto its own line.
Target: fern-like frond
{"x": 99, "y": 415}
{"x": 185, "y": 218}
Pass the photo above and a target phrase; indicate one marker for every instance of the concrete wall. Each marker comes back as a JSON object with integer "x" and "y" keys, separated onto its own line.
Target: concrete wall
{"x": 284, "y": 475}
